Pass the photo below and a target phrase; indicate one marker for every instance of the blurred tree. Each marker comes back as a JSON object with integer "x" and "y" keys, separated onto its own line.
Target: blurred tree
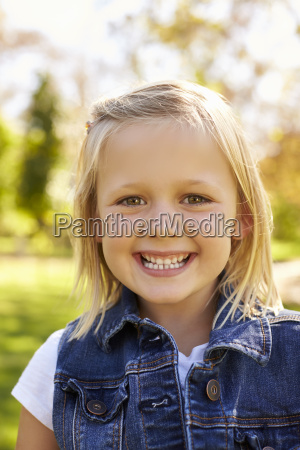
{"x": 41, "y": 150}
{"x": 9, "y": 155}
{"x": 280, "y": 174}
{"x": 241, "y": 48}
{"x": 16, "y": 42}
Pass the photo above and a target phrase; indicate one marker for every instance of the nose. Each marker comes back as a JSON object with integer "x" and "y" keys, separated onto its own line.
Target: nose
{"x": 164, "y": 221}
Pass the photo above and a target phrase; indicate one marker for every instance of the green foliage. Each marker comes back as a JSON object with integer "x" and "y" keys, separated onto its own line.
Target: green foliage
{"x": 184, "y": 29}
{"x": 27, "y": 162}
{"x": 285, "y": 250}
{"x": 5, "y": 139}
{"x": 206, "y": 40}
{"x": 281, "y": 170}
{"x": 41, "y": 150}
{"x": 286, "y": 218}
{"x": 9, "y": 165}
{"x": 280, "y": 174}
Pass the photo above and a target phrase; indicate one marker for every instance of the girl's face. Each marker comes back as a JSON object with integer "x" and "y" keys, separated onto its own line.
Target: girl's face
{"x": 149, "y": 170}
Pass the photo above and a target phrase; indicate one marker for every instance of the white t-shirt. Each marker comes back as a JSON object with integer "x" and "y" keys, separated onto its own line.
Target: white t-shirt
{"x": 35, "y": 387}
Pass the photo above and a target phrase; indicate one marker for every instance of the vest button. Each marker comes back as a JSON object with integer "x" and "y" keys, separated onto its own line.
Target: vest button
{"x": 96, "y": 407}
{"x": 213, "y": 390}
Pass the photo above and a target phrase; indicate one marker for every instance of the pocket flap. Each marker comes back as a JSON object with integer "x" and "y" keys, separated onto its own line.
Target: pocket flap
{"x": 99, "y": 400}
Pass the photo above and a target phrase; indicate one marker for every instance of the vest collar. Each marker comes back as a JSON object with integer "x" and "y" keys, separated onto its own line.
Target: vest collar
{"x": 251, "y": 337}
{"x": 124, "y": 311}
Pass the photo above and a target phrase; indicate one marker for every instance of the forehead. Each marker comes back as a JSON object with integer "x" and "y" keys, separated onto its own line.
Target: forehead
{"x": 160, "y": 151}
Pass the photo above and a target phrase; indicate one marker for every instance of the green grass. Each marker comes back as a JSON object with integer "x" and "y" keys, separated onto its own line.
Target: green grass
{"x": 34, "y": 303}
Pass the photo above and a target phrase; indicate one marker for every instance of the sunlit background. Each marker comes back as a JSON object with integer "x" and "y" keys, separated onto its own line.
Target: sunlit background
{"x": 56, "y": 58}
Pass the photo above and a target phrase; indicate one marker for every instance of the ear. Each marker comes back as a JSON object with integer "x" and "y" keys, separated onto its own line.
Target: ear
{"x": 244, "y": 225}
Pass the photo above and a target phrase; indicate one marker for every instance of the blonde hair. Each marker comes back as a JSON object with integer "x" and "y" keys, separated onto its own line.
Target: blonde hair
{"x": 248, "y": 273}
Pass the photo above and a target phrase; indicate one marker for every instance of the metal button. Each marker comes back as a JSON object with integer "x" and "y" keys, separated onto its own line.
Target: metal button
{"x": 96, "y": 407}
{"x": 268, "y": 448}
{"x": 213, "y": 390}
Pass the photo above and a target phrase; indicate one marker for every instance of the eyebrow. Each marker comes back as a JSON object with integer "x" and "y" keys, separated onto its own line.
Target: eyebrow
{"x": 182, "y": 182}
{"x": 200, "y": 182}
{"x": 130, "y": 185}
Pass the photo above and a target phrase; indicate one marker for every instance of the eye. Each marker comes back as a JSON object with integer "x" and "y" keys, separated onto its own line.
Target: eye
{"x": 194, "y": 199}
{"x": 131, "y": 201}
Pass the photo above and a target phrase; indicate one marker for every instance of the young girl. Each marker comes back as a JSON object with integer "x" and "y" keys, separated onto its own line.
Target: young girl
{"x": 185, "y": 343}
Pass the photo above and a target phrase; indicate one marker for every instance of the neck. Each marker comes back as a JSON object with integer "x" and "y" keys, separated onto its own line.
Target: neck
{"x": 189, "y": 321}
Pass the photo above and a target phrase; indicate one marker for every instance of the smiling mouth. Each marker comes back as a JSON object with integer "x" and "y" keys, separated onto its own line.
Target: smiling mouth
{"x": 171, "y": 262}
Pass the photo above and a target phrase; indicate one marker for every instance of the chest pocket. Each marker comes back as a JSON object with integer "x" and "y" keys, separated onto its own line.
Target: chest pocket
{"x": 93, "y": 413}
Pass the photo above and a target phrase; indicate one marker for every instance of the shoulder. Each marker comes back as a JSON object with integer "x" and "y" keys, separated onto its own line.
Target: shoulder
{"x": 34, "y": 389}
{"x": 284, "y": 316}
{"x": 46, "y": 355}
{"x": 285, "y": 331}
{"x": 68, "y": 343}
{"x": 72, "y": 349}
{"x": 284, "y": 324}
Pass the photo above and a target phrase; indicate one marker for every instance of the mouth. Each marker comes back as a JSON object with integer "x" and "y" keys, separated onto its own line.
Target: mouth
{"x": 168, "y": 262}
{"x": 163, "y": 263}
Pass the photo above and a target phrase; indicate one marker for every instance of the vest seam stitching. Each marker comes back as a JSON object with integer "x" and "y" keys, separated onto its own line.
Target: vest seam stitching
{"x": 79, "y": 426}
{"x": 178, "y": 398}
{"x": 114, "y": 403}
{"x": 264, "y": 336}
{"x": 213, "y": 359}
{"x": 252, "y": 418}
{"x": 119, "y": 446}
{"x": 75, "y": 434}
{"x": 145, "y": 436}
{"x": 113, "y": 442}
{"x": 64, "y": 440}
{"x": 152, "y": 362}
{"x": 282, "y": 318}
{"x": 125, "y": 436}
{"x": 246, "y": 346}
{"x": 190, "y": 405}
{"x": 224, "y": 417}
{"x": 234, "y": 424}
{"x": 148, "y": 368}
{"x": 89, "y": 382}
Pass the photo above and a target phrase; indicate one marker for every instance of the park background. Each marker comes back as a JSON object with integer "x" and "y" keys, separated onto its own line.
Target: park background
{"x": 56, "y": 58}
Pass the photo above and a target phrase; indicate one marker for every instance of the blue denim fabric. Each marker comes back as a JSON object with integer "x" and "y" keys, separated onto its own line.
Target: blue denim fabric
{"x": 130, "y": 365}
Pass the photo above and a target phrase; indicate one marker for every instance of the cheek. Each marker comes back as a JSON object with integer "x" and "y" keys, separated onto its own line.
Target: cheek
{"x": 216, "y": 221}
{"x": 215, "y": 251}
{"x": 114, "y": 250}
{"x": 209, "y": 226}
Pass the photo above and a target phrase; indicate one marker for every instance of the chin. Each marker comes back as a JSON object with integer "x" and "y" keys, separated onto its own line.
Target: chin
{"x": 166, "y": 298}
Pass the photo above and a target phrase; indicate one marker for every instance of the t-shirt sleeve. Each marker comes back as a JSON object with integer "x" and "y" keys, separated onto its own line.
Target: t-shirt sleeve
{"x": 35, "y": 387}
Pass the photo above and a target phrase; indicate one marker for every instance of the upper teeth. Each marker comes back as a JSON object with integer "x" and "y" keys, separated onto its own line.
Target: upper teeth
{"x": 166, "y": 261}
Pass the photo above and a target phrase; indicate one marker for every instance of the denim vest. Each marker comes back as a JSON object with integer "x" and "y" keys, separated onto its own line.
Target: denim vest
{"x": 120, "y": 389}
